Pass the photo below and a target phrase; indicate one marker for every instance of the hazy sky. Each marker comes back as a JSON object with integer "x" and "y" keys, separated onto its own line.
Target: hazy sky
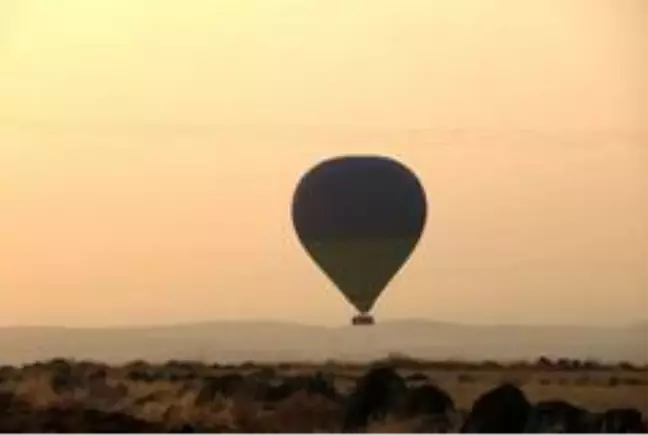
{"x": 149, "y": 150}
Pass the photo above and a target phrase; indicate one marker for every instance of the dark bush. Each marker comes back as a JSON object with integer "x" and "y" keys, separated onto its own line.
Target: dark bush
{"x": 378, "y": 392}
{"x": 503, "y": 409}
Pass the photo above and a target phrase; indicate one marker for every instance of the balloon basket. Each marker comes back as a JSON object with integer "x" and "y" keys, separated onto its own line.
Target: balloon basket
{"x": 362, "y": 319}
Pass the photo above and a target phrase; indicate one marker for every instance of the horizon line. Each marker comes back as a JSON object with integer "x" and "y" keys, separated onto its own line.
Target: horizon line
{"x": 385, "y": 321}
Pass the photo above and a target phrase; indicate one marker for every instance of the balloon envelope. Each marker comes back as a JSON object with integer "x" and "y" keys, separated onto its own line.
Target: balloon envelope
{"x": 359, "y": 218}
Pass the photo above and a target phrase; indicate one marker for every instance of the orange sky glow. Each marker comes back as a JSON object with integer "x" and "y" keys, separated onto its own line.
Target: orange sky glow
{"x": 149, "y": 151}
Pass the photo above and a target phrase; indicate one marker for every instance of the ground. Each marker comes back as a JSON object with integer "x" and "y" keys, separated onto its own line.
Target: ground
{"x": 194, "y": 393}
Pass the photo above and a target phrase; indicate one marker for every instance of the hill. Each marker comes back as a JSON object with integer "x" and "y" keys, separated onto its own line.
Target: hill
{"x": 275, "y": 341}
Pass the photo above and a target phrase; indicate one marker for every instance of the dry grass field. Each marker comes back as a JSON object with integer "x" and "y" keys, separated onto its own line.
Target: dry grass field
{"x": 179, "y": 396}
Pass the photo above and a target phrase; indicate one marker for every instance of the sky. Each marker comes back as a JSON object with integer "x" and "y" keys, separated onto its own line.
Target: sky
{"x": 149, "y": 151}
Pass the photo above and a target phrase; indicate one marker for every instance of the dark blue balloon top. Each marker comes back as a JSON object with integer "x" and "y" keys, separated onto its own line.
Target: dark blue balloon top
{"x": 359, "y": 197}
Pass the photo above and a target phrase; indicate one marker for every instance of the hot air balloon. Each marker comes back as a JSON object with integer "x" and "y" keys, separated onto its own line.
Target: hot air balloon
{"x": 359, "y": 218}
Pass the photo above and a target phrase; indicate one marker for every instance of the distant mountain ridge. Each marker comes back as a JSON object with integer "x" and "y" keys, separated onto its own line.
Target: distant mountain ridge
{"x": 271, "y": 341}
